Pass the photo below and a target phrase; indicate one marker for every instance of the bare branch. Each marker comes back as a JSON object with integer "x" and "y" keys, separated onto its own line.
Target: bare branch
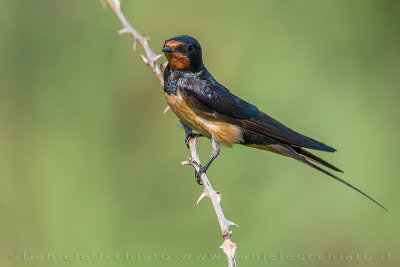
{"x": 150, "y": 59}
{"x": 227, "y": 246}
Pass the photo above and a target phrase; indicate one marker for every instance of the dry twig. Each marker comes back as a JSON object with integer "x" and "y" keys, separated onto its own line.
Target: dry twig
{"x": 150, "y": 58}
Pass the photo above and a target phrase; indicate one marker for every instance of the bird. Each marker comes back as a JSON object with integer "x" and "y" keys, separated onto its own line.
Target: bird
{"x": 207, "y": 107}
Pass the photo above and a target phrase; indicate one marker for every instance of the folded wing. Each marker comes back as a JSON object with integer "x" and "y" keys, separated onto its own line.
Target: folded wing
{"x": 211, "y": 97}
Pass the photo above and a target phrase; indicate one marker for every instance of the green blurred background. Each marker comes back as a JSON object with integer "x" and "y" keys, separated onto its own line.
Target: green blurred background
{"x": 89, "y": 164}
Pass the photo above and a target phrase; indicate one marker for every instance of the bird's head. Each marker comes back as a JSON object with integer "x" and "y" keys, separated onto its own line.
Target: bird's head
{"x": 183, "y": 53}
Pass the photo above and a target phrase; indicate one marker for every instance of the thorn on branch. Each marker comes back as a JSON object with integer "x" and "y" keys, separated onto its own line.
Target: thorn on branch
{"x": 134, "y": 44}
{"x": 203, "y": 194}
{"x": 218, "y": 196}
{"x": 185, "y": 163}
{"x": 166, "y": 109}
{"x": 232, "y": 223}
{"x": 145, "y": 60}
{"x": 122, "y": 31}
{"x": 157, "y": 57}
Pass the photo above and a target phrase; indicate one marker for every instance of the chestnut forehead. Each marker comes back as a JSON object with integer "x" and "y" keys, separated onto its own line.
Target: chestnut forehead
{"x": 173, "y": 43}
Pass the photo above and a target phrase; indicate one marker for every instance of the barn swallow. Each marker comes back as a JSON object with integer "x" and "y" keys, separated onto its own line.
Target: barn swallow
{"x": 204, "y": 105}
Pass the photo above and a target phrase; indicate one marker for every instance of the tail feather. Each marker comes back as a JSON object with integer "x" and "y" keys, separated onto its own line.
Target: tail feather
{"x": 344, "y": 182}
{"x": 316, "y": 159}
{"x": 291, "y": 152}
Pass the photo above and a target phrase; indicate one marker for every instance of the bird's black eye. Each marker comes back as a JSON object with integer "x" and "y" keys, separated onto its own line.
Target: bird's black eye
{"x": 190, "y": 48}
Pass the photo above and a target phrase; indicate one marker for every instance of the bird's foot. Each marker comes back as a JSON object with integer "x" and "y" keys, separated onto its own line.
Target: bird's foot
{"x": 198, "y": 174}
{"x": 190, "y": 136}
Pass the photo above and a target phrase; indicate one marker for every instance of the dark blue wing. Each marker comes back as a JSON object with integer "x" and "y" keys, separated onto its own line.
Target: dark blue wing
{"x": 212, "y": 98}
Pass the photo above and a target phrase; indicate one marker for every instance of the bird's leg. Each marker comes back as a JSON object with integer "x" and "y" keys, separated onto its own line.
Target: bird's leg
{"x": 216, "y": 148}
{"x": 189, "y": 134}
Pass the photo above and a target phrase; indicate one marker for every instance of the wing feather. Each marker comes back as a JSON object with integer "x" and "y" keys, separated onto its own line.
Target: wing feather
{"x": 212, "y": 98}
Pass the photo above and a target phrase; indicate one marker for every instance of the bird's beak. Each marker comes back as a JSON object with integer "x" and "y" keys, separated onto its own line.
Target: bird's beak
{"x": 167, "y": 49}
